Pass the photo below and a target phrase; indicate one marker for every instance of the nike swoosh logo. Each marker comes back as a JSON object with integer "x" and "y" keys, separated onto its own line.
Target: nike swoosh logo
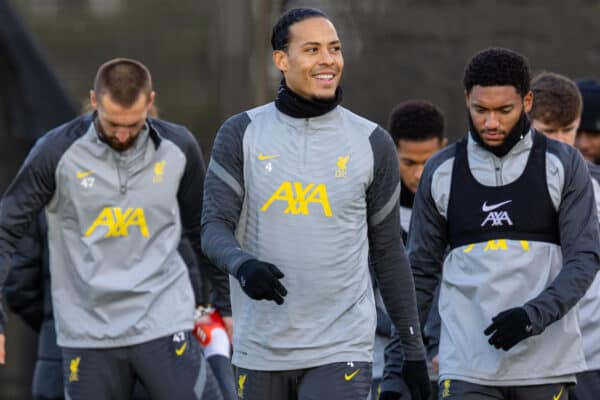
{"x": 352, "y": 375}
{"x": 262, "y": 157}
{"x": 83, "y": 174}
{"x": 180, "y": 350}
{"x": 486, "y": 208}
{"x": 557, "y": 397}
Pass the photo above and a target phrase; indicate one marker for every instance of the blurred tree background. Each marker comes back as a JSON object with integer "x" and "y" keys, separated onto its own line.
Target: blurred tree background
{"x": 212, "y": 59}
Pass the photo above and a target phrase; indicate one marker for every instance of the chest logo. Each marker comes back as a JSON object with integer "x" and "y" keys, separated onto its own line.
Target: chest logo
{"x": 86, "y": 178}
{"x": 340, "y": 172}
{"x": 118, "y": 221}
{"x": 298, "y": 197}
{"x": 496, "y": 218}
{"x": 263, "y": 157}
{"x": 159, "y": 170}
{"x": 487, "y": 208}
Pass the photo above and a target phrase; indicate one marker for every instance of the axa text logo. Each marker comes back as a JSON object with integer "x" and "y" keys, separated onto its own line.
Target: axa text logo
{"x": 496, "y": 218}
{"x": 117, "y": 222}
{"x": 298, "y": 197}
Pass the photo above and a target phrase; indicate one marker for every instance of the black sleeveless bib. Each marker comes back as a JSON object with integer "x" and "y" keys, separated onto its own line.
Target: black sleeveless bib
{"x": 520, "y": 210}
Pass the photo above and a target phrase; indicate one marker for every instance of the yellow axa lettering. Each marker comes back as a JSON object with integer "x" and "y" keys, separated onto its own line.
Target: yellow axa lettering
{"x": 298, "y": 198}
{"x": 117, "y": 221}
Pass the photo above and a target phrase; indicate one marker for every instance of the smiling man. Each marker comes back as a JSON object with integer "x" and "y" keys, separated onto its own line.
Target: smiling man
{"x": 297, "y": 193}
{"x": 518, "y": 213}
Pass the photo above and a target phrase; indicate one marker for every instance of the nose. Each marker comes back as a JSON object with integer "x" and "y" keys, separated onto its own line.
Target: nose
{"x": 419, "y": 171}
{"x": 122, "y": 133}
{"x": 491, "y": 121}
{"x": 326, "y": 57}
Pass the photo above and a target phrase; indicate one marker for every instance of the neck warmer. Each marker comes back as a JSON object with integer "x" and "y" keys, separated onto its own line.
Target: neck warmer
{"x": 297, "y": 106}
{"x": 516, "y": 133}
{"x": 407, "y": 197}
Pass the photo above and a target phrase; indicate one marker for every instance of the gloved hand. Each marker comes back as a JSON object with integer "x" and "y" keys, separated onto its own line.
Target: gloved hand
{"x": 509, "y": 328}
{"x": 416, "y": 377}
{"x": 390, "y": 396}
{"x": 260, "y": 281}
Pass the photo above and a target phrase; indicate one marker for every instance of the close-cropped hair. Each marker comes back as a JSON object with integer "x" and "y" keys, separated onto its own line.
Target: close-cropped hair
{"x": 498, "y": 67}
{"x": 556, "y": 99}
{"x": 124, "y": 80}
{"x": 280, "y": 36}
{"x": 416, "y": 120}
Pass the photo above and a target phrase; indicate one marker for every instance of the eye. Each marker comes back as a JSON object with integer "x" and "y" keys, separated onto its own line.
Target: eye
{"x": 506, "y": 110}
{"x": 336, "y": 49}
{"x": 311, "y": 50}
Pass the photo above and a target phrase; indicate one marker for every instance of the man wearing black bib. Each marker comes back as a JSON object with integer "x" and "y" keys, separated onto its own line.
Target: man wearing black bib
{"x": 518, "y": 213}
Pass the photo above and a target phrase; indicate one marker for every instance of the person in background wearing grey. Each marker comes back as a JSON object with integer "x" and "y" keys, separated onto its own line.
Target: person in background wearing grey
{"x": 519, "y": 214}
{"x": 588, "y": 134}
{"x": 298, "y": 193}
{"x": 556, "y": 112}
{"x": 118, "y": 188}
{"x": 417, "y": 129}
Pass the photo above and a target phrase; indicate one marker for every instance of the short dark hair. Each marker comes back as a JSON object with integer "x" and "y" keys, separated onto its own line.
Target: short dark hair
{"x": 497, "y": 67}
{"x": 556, "y": 99}
{"x": 416, "y": 120}
{"x": 124, "y": 80}
{"x": 280, "y": 36}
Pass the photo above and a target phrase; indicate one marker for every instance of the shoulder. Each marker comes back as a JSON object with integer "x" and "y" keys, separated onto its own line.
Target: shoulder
{"x": 361, "y": 124}
{"x": 567, "y": 155}
{"x": 441, "y": 158}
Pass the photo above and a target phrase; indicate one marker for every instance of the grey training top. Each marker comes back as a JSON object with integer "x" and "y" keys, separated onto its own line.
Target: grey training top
{"x": 480, "y": 280}
{"x": 311, "y": 196}
{"x": 114, "y": 223}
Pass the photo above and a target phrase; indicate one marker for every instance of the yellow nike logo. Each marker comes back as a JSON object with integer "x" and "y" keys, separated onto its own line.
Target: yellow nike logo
{"x": 352, "y": 375}
{"x": 83, "y": 174}
{"x": 262, "y": 157}
{"x": 557, "y": 397}
{"x": 180, "y": 350}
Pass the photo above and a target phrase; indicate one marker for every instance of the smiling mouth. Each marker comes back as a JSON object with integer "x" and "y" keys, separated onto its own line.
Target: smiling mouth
{"x": 324, "y": 77}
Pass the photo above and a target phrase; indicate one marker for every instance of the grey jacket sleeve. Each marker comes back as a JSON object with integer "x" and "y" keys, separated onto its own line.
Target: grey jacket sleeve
{"x": 389, "y": 260}
{"x": 426, "y": 249}
{"x": 224, "y": 196}
{"x": 580, "y": 245}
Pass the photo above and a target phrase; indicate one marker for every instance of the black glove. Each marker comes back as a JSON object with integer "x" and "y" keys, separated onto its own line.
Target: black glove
{"x": 390, "y": 396}
{"x": 260, "y": 281}
{"x": 416, "y": 377}
{"x": 509, "y": 328}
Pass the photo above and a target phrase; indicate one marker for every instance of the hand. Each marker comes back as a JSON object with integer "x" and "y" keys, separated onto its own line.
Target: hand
{"x": 390, "y": 396}
{"x": 509, "y": 328}
{"x": 435, "y": 364}
{"x": 228, "y": 322}
{"x": 416, "y": 377}
{"x": 2, "y": 351}
{"x": 260, "y": 281}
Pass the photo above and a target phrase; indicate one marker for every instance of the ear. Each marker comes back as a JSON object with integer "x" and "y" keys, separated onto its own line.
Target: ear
{"x": 151, "y": 99}
{"x": 528, "y": 102}
{"x": 444, "y": 142}
{"x": 467, "y": 99}
{"x": 280, "y": 60}
{"x": 93, "y": 100}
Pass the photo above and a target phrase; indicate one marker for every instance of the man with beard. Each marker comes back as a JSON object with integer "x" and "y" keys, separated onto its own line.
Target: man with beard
{"x": 118, "y": 188}
{"x": 518, "y": 213}
{"x": 588, "y": 134}
{"x": 297, "y": 193}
